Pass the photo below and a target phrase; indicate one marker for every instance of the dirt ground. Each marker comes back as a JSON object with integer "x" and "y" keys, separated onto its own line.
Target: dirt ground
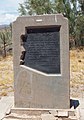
{"x": 6, "y": 76}
{"x": 76, "y": 74}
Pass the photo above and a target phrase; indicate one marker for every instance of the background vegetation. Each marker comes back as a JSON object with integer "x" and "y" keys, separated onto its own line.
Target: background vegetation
{"x": 5, "y": 41}
{"x": 72, "y": 9}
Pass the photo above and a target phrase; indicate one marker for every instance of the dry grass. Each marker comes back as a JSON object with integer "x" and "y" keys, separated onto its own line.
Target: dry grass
{"x": 77, "y": 66}
{"x": 6, "y": 75}
{"x": 76, "y": 74}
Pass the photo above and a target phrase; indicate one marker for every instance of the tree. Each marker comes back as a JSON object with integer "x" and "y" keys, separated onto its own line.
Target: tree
{"x": 79, "y": 37}
{"x": 81, "y": 4}
{"x": 5, "y": 39}
{"x": 72, "y": 9}
{"x": 33, "y": 7}
{"x": 69, "y": 9}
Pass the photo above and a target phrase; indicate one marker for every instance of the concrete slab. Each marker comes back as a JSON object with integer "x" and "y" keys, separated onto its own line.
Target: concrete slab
{"x": 81, "y": 114}
{"x": 81, "y": 108}
{"x": 63, "y": 113}
{"x": 81, "y": 101}
{"x": 5, "y": 105}
{"x": 7, "y": 102}
{"x": 2, "y": 115}
{"x": 47, "y": 117}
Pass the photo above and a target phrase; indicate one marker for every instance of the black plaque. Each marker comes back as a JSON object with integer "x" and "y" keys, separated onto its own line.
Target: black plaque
{"x": 43, "y": 49}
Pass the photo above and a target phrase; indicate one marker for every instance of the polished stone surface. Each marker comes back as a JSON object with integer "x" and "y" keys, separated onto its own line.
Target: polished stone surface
{"x": 42, "y": 48}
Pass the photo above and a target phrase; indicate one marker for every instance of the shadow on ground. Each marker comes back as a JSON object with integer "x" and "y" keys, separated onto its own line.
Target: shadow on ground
{"x": 74, "y": 103}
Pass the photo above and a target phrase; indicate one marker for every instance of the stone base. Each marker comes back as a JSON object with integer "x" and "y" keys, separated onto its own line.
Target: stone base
{"x": 44, "y": 114}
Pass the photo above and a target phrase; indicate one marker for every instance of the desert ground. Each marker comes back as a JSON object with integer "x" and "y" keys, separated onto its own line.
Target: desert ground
{"x": 76, "y": 75}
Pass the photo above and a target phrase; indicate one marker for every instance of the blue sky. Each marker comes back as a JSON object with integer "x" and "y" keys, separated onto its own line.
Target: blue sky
{"x": 9, "y": 10}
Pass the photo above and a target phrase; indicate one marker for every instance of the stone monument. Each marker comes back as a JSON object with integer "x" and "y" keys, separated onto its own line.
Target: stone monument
{"x": 41, "y": 62}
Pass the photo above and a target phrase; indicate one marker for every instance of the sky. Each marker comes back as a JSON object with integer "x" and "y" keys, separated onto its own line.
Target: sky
{"x": 9, "y": 11}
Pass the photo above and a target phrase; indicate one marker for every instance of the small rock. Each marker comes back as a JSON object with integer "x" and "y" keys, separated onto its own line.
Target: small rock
{"x": 63, "y": 114}
{"x": 54, "y": 113}
{"x": 79, "y": 60}
{"x": 71, "y": 113}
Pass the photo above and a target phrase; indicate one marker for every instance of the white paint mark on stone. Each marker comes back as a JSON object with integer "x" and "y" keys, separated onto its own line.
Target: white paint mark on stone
{"x": 39, "y": 20}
